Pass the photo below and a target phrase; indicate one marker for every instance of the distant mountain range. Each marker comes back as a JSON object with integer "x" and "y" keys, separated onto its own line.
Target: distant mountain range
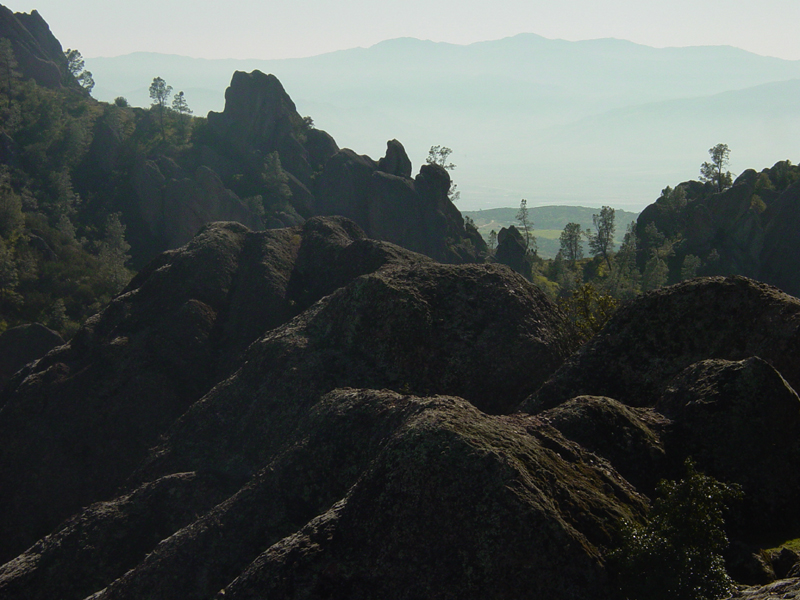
{"x": 556, "y": 122}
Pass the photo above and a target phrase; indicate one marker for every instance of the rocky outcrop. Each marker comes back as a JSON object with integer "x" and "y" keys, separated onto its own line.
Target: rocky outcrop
{"x": 748, "y": 229}
{"x": 780, "y": 255}
{"x": 641, "y": 349}
{"x": 260, "y": 118}
{"x": 238, "y": 455}
{"x": 37, "y": 51}
{"x": 308, "y": 413}
{"x": 741, "y": 421}
{"x": 381, "y": 197}
{"x": 174, "y": 204}
{"x": 785, "y": 588}
{"x": 719, "y": 387}
{"x": 512, "y": 252}
{"x": 177, "y": 329}
{"x": 389, "y": 205}
{"x": 387, "y": 495}
{"x": 630, "y": 438}
{"x": 23, "y": 344}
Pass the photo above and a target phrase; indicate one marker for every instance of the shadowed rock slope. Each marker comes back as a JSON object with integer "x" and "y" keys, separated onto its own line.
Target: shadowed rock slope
{"x": 77, "y": 423}
{"x": 707, "y": 368}
{"x": 307, "y": 413}
{"x": 217, "y": 463}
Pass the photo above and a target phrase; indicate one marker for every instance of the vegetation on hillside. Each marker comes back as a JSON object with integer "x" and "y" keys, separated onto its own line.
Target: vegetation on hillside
{"x": 589, "y": 277}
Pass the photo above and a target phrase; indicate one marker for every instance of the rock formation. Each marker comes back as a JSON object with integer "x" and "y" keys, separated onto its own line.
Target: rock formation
{"x": 711, "y": 388}
{"x": 511, "y": 251}
{"x": 308, "y": 413}
{"x": 389, "y": 205}
{"x": 181, "y": 327}
{"x": 256, "y": 143}
{"x": 748, "y": 229}
{"x": 36, "y": 49}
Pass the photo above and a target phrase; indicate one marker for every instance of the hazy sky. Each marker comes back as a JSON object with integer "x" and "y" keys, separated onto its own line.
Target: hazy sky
{"x": 281, "y": 29}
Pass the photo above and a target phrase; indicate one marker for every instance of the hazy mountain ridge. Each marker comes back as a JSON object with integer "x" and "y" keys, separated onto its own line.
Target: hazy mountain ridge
{"x": 517, "y": 106}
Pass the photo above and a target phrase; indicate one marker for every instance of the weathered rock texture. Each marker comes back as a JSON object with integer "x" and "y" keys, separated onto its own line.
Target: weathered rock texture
{"x": 103, "y": 399}
{"x": 158, "y": 410}
{"x": 36, "y": 49}
{"x": 785, "y": 588}
{"x": 707, "y": 369}
{"x": 651, "y": 340}
{"x": 308, "y": 413}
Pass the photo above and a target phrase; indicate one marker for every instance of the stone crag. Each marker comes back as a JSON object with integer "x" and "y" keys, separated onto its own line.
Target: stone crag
{"x": 308, "y": 413}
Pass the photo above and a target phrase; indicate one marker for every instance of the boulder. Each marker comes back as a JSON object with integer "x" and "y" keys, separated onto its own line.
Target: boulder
{"x": 396, "y": 161}
{"x": 511, "y": 251}
{"x": 785, "y": 588}
{"x": 376, "y": 494}
{"x": 321, "y": 146}
{"x": 382, "y": 198}
{"x": 629, "y": 438}
{"x": 422, "y": 328}
{"x": 85, "y": 553}
{"x": 641, "y": 349}
{"x": 740, "y": 420}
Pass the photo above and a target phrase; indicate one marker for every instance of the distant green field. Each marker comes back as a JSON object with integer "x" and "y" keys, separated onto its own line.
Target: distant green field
{"x": 548, "y": 223}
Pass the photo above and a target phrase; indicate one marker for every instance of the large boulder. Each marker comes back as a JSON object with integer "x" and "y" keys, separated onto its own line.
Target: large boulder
{"x": 375, "y": 494}
{"x": 512, "y": 251}
{"x": 630, "y": 438}
{"x": 653, "y": 338}
{"x": 426, "y": 329}
{"x": 740, "y": 420}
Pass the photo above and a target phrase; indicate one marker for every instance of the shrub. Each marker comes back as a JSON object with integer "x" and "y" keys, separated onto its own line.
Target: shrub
{"x": 677, "y": 554}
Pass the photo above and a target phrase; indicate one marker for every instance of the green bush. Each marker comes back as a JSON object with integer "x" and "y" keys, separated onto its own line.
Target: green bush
{"x": 677, "y": 554}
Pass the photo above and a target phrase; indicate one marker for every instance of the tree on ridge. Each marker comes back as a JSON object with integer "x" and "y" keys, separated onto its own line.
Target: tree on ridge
{"x": 159, "y": 94}
{"x": 715, "y": 171}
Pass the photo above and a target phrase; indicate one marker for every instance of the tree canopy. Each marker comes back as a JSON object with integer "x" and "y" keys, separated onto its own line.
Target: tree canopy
{"x": 159, "y": 94}
{"x": 571, "y": 245}
{"x": 601, "y": 241}
{"x": 716, "y": 171}
{"x": 76, "y": 64}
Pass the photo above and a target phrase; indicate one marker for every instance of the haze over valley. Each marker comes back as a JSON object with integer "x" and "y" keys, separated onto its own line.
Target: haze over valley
{"x": 556, "y": 122}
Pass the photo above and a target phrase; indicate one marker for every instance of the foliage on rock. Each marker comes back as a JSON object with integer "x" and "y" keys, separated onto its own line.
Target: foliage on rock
{"x": 677, "y": 553}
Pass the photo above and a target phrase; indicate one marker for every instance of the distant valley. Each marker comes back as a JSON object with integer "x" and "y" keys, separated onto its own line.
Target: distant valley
{"x": 569, "y": 123}
{"x": 548, "y": 223}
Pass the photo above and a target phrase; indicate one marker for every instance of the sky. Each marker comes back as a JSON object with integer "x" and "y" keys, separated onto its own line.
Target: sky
{"x": 298, "y": 28}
